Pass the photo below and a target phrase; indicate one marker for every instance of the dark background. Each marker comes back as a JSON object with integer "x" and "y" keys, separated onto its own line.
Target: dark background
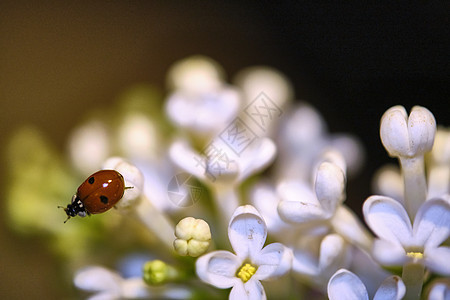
{"x": 352, "y": 61}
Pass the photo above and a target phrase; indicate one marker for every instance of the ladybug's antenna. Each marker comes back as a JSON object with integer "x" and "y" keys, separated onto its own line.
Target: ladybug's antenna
{"x": 65, "y": 209}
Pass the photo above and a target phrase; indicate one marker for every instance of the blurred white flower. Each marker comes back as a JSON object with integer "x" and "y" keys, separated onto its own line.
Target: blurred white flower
{"x": 89, "y": 146}
{"x": 388, "y": 181}
{"x": 243, "y": 271}
{"x": 107, "y": 285}
{"x": 439, "y": 290}
{"x": 266, "y": 92}
{"x": 316, "y": 258}
{"x": 438, "y": 164}
{"x": 200, "y": 102}
{"x": 195, "y": 74}
{"x": 344, "y": 285}
{"x": 399, "y": 242}
{"x": 138, "y": 138}
{"x": 303, "y": 134}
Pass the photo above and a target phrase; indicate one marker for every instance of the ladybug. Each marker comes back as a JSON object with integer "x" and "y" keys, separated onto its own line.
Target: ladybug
{"x": 97, "y": 194}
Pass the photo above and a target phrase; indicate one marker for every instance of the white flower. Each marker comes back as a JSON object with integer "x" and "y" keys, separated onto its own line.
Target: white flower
{"x": 251, "y": 263}
{"x": 317, "y": 258}
{"x": 409, "y": 138}
{"x": 300, "y": 205}
{"x": 303, "y": 134}
{"x": 275, "y": 85}
{"x": 323, "y": 206}
{"x": 400, "y": 242}
{"x": 89, "y": 146}
{"x": 222, "y": 169}
{"x": 201, "y": 103}
{"x": 265, "y": 93}
{"x": 195, "y": 74}
{"x": 108, "y": 285}
{"x": 344, "y": 285}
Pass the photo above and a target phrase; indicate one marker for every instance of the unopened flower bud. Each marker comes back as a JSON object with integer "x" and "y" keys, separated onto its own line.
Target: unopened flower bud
{"x": 404, "y": 136}
{"x": 193, "y": 237}
{"x": 158, "y": 272}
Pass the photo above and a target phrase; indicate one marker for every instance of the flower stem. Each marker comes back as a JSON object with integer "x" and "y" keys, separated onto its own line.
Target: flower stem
{"x": 415, "y": 188}
{"x": 156, "y": 222}
{"x": 412, "y": 277}
{"x": 226, "y": 202}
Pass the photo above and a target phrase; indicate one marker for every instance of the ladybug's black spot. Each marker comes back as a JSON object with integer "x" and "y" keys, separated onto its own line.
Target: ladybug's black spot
{"x": 104, "y": 199}
{"x": 91, "y": 180}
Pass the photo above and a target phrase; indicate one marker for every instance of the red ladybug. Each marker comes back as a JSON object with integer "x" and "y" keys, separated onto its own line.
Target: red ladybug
{"x": 97, "y": 194}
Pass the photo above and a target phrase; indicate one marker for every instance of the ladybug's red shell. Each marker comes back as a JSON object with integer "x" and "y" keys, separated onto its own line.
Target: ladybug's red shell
{"x": 101, "y": 191}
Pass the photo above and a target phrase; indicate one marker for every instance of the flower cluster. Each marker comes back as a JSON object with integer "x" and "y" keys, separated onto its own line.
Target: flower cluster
{"x": 239, "y": 192}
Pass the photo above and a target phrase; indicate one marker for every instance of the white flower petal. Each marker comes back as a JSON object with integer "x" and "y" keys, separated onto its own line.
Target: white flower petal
{"x": 344, "y": 285}
{"x": 187, "y": 159}
{"x": 432, "y": 223}
{"x": 294, "y": 190}
{"x": 196, "y": 74}
{"x": 388, "y": 219}
{"x": 265, "y": 199}
{"x": 254, "y": 80}
{"x": 389, "y": 254}
{"x": 218, "y": 268}
{"x": 305, "y": 264}
{"x": 437, "y": 259}
{"x": 394, "y": 131}
{"x": 205, "y": 114}
{"x": 440, "y": 291}
{"x": 392, "y": 288}
{"x": 332, "y": 253}
{"x": 95, "y": 279}
{"x": 274, "y": 260}
{"x": 105, "y": 296}
{"x": 421, "y": 128}
{"x": 300, "y": 212}
{"x": 329, "y": 186}
{"x": 299, "y": 204}
{"x": 440, "y": 153}
{"x": 347, "y": 224}
{"x": 251, "y": 290}
{"x": 135, "y": 288}
{"x": 247, "y": 232}
{"x": 256, "y": 157}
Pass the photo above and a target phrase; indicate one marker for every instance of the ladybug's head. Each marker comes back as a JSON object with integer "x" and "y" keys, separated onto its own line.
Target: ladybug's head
{"x": 75, "y": 208}
{"x": 70, "y": 211}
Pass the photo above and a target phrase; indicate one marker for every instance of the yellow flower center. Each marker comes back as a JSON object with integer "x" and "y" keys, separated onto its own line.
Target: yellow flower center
{"x": 416, "y": 256}
{"x": 246, "y": 272}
